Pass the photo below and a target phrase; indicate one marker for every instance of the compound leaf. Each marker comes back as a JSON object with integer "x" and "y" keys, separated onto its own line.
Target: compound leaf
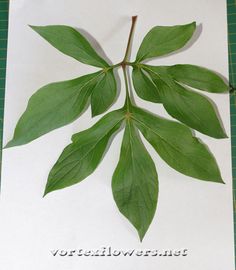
{"x": 161, "y": 40}
{"x": 144, "y": 86}
{"x": 198, "y": 77}
{"x": 135, "y": 182}
{"x": 187, "y": 106}
{"x": 80, "y": 158}
{"x": 177, "y": 146}
{"x": 53, "y": 106}
{"x": 103, "y": 94}
{"x": 70, "y": 42}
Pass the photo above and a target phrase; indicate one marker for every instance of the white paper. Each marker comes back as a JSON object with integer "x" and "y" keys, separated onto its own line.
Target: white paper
{"x": 191, "y": 214}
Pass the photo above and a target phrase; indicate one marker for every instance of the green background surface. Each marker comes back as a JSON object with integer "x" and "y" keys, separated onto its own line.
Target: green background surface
{"x": 231, "y": 8}
{"x": 3, "y": 52}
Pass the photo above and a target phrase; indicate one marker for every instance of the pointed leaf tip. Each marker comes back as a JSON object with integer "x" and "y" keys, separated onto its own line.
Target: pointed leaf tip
{"x": 187, "y": 106}
{"x": 7, "y": 145}
{"x": 80, "y": 158}
{"x": 45, "y": 193}
{"x": 198, "y": 77}
{"x": 162, "y": 40}
{"x": 222, "y": 182}
{"x": 11, "y": 143}
{"x": 135, "y": 182}
{"x": 177, "y": 146}
{"x": 141, "y": 236}
{"x": 72, "y": 43}
{"x": 224, "y": 136}
{"x": 35, "y": 28}
{"x": 48, "y": 189}
{"x": 60, "y": 104}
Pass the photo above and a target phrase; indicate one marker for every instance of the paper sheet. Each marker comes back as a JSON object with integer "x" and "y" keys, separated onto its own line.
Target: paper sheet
{"x": 192, "y": 216}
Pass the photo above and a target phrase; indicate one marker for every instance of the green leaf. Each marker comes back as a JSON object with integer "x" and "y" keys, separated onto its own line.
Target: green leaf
{"x": 80, "y": 158}
{"x": 53, "y": 106}
{"x": 135, "y": 183}
{"x": 103, "y": 94}
{"x": 187, "y": 106}
{"x": 70, "y": 42}
{"x": 198, "y": 77}
{"x": 144, "y": 86}
{"x": 177, "y": 146}
{"x": 161, "y": 40}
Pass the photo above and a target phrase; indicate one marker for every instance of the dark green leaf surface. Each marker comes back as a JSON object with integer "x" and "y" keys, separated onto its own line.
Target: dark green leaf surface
{"x": 70, "y": 42}
{"x": 53, "y": 106}
{"x": 144, "y": 86}
{"x": 187, "y": 106}
{"x": 176, "y": 145}
{"x": 198, "y": 77}
{"x": 103, "y": 94}
{"x": 161, "y": 40}
{"x": 135, "y": 182}
{"x": 80, "y": 158}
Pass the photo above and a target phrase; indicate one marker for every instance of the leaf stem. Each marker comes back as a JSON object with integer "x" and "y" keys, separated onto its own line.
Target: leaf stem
{"x": 116, "y": 65}
{"x": 134, "y": 18}
{"x": 124, "y": 64}
{"x": 127, "y": 99}
{"x": 120, "y": 64}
